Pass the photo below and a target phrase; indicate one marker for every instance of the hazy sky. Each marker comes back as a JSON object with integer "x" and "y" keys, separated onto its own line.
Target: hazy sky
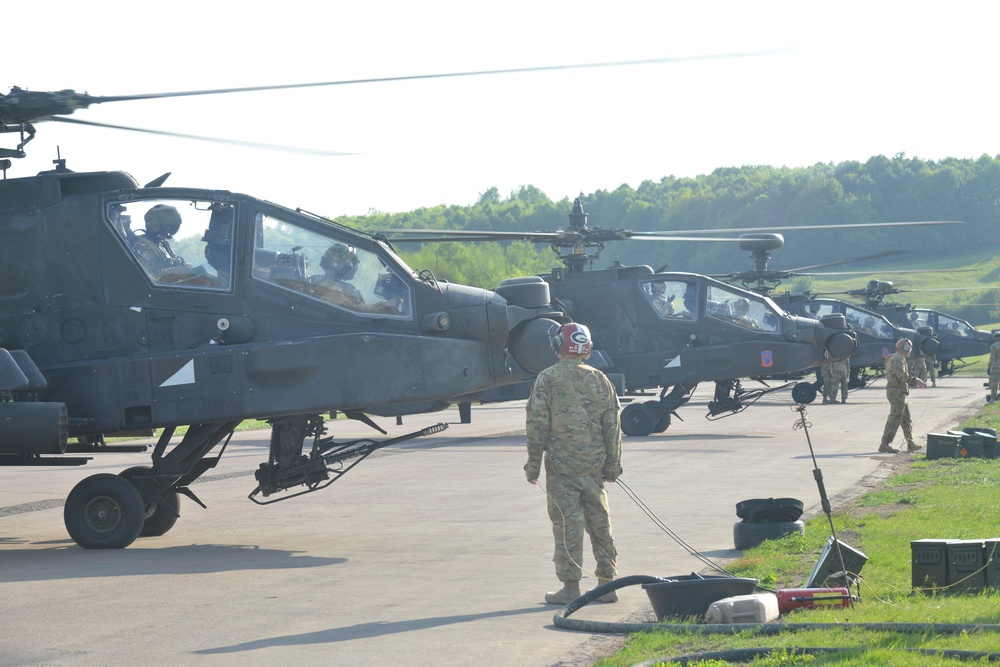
{"x": 830, "y": 81}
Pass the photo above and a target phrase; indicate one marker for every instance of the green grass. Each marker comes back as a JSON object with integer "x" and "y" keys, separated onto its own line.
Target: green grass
{"x": 939, "y": 499}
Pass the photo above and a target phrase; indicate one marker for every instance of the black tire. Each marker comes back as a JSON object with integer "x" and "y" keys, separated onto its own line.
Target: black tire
{"x": 662, "y": 418}
{"x": 804, "y": 393}
{"x": 104, "y": 512}
{"x": 748, "y": 534}
{"x": 157, "y": 519}
{"x": 638, "y": 419}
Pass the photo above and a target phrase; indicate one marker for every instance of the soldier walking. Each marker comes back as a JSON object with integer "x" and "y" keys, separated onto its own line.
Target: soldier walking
{"x": 897, "y": 388}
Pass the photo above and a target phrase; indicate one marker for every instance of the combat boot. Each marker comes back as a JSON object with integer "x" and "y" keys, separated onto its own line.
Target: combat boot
{"x": 611, "y": 596}
{"x": 843, "y": 400}
{"x": 826, "y": 400}
{"x": 569, "y": 592}
{"x": 913, "y": 447}
{"x": 887, "y": 449}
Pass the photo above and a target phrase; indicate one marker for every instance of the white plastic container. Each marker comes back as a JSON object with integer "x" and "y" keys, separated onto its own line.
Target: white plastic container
{"x": 756, "y": 608}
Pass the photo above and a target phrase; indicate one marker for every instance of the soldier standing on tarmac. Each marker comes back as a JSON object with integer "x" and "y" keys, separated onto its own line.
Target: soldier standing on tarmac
{"x": 993, "y": 367}
{"x": 836, "y": 376}
{"x": 897, "y": 387}
{"x": 573, "y": 420}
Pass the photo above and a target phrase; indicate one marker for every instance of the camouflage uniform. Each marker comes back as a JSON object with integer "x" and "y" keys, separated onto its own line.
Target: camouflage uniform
{"x": 897, "y": 388}
{"x": 994, "y": 369}
{"x": 920, "y": 366}
{"x": 931, "y": 363}
{"x": 836, "y": 376}
{"x": 337, "y": 291}
{"x": 572, "y": 417}
{"x": 155, "y": 257}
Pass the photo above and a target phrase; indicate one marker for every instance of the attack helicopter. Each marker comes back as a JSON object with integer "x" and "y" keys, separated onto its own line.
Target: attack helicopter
{"x": 666, "y": 331}
{"x": 876, "y": 334}
{"x": 958, "y": 338}
{"x": 126, "y": 308}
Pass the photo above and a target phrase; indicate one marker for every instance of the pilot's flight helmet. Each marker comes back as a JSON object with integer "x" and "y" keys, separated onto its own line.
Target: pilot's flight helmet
{"x": 162, "y": 220}
{"x": 573, "y": 339}
{"x": 340, "y": 261}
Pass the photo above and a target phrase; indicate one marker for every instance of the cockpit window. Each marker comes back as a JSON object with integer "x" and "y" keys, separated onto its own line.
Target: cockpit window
{"x": 869, "y": 323}
{"x": 743, "y": 309}
{"x": 674, "y": 299}
{"x": 178, "y": 243}
{"x": 953, "y": 327}
{"x": 330, "y": 270}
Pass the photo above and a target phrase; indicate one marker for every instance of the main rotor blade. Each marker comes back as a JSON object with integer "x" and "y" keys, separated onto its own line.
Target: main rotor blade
{"x": 445, "y": 75}
{"x": 874, "y": 272}
{"x": 859, "y": 225}
{"x": 880, "y": 255}
{"x": 217, "y": 140}
{"x": 595, "y": 235}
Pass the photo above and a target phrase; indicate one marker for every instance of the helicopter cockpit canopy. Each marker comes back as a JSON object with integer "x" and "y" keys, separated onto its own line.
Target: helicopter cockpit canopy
{"x": 189, "y": 244}
{"x": 865, "y": 321}
{"x": 328, "y": 269}
{"x": 180, "y": 243}
{"x": 944, "y": 324}
{"x": 678, "y": 299}
{"x": 744, "y": 309}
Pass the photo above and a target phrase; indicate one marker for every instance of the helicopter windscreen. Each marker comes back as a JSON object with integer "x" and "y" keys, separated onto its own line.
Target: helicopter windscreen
{"x": 675, "y": 299}
{"x": 333, "y": 271}
{"x": 951, "y": 325}
{"x": 870, "y": 323}
{"x": 743, "y": 309}
{"x": 181, "y": 243}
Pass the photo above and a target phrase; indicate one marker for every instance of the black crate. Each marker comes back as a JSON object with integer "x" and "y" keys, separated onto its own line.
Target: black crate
{"x": 929, "y": 564}
{"x": 943, "y": 445}
{"x": 991, "y": 555}
{"x": 966, "y": 567}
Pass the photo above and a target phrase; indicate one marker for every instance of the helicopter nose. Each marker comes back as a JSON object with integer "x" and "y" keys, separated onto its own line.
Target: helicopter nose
{"x": 840, "y": 342}
{"x": 530, "y": 343}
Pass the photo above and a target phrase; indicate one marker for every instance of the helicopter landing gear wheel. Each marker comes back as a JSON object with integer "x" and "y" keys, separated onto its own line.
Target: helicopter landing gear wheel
{"x": 104, "y": 512}
{"x": 662, "y": 418}
{"x": 638, "y": 419}
{"x": 804, "y": 393}
{"x": 158, "y": 519}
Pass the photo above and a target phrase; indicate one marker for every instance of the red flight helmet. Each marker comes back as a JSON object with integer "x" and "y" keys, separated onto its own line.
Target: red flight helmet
{"x": 573, "y": 339}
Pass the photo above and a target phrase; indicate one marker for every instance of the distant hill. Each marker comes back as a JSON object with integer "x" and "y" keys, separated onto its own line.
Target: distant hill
{"x": 880, "y": 189}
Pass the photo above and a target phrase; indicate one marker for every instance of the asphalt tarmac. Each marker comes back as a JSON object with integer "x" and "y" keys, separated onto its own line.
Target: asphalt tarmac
{"x": 433, "y": 552}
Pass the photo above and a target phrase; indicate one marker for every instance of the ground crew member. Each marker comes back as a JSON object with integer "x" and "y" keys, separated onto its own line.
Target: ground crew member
{"x": 897, "y": 387}
{"x": 572, "y": 418}
{"x": 919, "y": 365}
{"x": 993, "y": 366}
{"x": 836, "y": 376}
{"x": 931, "y": 364}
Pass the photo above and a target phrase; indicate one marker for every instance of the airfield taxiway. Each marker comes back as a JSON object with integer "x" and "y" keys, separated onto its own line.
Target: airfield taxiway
{"x": 434, "y": 552}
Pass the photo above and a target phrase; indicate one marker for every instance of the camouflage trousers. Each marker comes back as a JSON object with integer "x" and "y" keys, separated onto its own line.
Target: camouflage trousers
{"x": 899, "y": 415}
{"x": 578, "y": 504}
{"x": 835, "y": 377}
{"x": 920, "y": 368}
{"x": 994, "y": 384}
{"x": 931, "y": 364}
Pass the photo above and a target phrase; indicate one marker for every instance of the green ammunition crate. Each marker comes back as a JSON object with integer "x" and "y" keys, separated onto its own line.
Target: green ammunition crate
{"x": 976, "y": 444}
{"x": 943, "y": 445}
{"x": 966, "y": 568}
{"x": 991, "y": 554}
{"x": 929, "y": 564}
